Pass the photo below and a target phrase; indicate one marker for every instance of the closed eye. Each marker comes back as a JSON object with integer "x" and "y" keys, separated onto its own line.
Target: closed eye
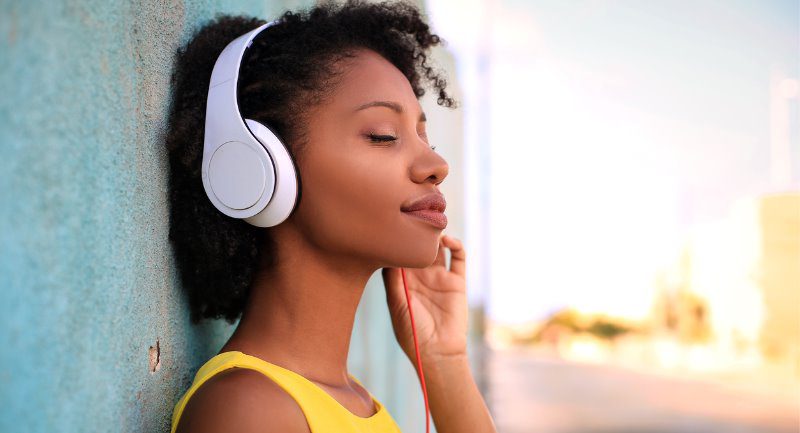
{"x": 381, "y": 138}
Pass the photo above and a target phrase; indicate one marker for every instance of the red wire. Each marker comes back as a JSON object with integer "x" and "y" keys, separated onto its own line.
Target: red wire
{"x": 416, "y": 349}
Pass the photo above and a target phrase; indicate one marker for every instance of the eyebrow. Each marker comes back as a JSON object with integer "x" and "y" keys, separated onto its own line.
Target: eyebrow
{"x": 389, "y": 104}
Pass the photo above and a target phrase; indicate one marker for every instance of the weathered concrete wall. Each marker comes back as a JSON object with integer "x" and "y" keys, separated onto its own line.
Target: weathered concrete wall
{"x": 89, "y": 294}
{"x": 87, "y": 279}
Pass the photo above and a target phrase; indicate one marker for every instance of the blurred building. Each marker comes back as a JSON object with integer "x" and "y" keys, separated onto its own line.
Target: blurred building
{"x": 736, "y": 285}
{"x": 779, "y": 275}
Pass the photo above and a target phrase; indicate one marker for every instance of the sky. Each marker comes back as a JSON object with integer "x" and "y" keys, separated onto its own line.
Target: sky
{"x": 601, "y": 132}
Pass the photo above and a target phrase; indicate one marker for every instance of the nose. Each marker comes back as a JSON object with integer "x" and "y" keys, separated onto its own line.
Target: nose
{"x": 429, "y": 166}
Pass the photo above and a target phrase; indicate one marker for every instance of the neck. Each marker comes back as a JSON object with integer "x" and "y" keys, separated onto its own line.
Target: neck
{"x": 300, "y": 312}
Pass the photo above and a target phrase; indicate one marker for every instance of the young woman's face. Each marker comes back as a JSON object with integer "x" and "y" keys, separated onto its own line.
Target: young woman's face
{"x": 354, "y": 185}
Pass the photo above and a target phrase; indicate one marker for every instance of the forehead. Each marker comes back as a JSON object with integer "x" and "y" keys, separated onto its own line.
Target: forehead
{"x": 370, "y": 77}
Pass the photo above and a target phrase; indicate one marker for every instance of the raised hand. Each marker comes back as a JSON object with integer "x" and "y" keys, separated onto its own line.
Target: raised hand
{"x": 439, "y": 304}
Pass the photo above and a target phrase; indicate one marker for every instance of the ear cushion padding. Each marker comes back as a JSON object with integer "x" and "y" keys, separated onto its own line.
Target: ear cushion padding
{"x": 284, "y": 196}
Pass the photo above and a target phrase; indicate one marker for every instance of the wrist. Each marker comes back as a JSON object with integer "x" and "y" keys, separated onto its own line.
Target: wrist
{"x": 444, "y": 359}
{"x": 445, "y": 367}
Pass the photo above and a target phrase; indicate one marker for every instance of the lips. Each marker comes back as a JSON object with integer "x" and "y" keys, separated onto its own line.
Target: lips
{"x": 429, "y": 208}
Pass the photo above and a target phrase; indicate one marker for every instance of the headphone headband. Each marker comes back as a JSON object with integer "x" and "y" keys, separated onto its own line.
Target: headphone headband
{"x": 226, "y": 117}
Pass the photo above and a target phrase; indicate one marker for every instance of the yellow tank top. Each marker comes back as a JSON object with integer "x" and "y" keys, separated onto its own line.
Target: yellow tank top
{"x": 323, "y": 412}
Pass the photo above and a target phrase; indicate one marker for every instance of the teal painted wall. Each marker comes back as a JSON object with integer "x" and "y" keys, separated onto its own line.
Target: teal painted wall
{"x": 88, "y": 285}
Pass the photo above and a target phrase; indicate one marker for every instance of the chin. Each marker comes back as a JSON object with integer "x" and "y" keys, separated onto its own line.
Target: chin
{"x": 425, "y": 263}
{"x": 424, "y": 255}
{"x": 418, "y": 243}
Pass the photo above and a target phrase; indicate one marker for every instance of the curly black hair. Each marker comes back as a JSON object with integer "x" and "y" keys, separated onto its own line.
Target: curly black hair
{"x": 290, "y": 66}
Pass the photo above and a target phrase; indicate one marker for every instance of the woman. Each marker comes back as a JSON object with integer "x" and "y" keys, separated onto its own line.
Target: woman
{"x": 340, "y": 86}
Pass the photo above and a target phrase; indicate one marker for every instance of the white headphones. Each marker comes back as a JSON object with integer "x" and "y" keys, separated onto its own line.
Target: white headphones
{"x": 247, "y": 171}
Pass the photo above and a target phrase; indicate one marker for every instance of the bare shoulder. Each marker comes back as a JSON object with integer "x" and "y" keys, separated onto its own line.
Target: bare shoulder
{"x": 241, "y": 400}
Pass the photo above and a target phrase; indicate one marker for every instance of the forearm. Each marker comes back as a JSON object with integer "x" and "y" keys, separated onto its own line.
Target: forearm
{"x": 455, "y": 402}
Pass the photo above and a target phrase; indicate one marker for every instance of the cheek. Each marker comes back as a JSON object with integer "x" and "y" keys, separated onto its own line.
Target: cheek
{"x": 352, "y": 206}
{"x": 350, "y": 197}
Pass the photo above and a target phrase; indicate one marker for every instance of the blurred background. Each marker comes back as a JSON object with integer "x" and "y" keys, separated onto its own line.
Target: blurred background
{"x": 625, "y": 175}
{"x": 633, "y": 210}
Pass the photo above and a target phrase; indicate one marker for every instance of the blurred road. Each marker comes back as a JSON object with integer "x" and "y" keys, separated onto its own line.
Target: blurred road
{"x": 534, "y": 393}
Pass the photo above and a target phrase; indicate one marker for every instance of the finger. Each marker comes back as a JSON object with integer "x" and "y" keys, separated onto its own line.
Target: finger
{"x": 458, "y": 256}
{"x": 395, "y": 293}
{"x": 440, "y": 255}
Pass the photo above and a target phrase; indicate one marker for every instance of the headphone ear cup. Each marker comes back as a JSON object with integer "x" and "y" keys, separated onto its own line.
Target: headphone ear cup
{"x": 285, "y": 193}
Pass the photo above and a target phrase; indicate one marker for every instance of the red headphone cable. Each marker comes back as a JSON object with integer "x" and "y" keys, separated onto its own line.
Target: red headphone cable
{"x": 416, "y": 349}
